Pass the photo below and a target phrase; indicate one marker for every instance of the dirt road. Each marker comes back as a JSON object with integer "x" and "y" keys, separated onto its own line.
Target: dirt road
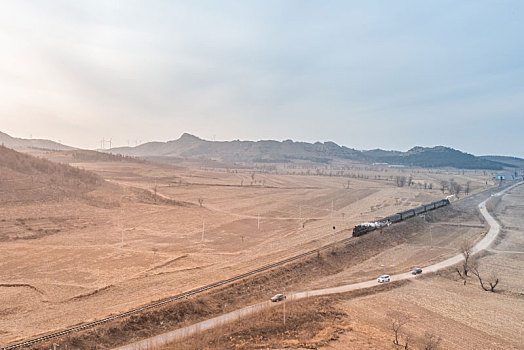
{"x": 181, "y": 333}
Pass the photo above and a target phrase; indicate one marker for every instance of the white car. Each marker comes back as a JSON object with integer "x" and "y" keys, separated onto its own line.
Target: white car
{"x": 383, "y": 278}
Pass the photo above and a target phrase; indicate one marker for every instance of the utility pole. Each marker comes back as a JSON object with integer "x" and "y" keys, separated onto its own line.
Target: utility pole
{"x": 122, "y": 250}
{"x": 285, "y": 296}
{"x": 332, "y": 207}
{"x": 258, "y": 221}
{"x": 203, "y": 229}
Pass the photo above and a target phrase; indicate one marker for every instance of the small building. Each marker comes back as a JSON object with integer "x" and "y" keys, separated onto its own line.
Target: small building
{"x": 504, "y": 176}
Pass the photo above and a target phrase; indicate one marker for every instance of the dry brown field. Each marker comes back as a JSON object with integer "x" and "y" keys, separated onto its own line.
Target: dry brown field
{"x": 62, "y": 262}
{"x": 462, "y": 315}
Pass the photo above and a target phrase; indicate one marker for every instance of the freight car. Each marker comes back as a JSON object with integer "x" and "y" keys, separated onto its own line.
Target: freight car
{"x": 367, "y": 227}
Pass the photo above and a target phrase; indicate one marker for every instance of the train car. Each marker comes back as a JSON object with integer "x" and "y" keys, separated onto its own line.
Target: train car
{"x": 441, "y": 203}
{"x": 430, "y": 206}
{"x": 420, "y": 210}
{"x": 392, "y": 219}
{"x": 364, "y": 228}
{"x": 407, "y": 214}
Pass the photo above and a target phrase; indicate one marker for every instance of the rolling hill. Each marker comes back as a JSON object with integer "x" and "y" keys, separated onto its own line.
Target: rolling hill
{"x": 266, "y": 151}
{"x": 17, "y": 143}
{"x": 25, "y": 178}
{"x": 517, "y": 162}
{"x": 440, "y": 156}
{"x": 269, "y": 151}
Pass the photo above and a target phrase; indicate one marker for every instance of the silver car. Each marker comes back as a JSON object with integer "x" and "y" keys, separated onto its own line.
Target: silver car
{"x": 383, "y": 278}
{"x": 278, "y": 297}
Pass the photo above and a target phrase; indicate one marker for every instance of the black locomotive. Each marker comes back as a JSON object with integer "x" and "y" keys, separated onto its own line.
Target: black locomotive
{"x": 364, "y": 228}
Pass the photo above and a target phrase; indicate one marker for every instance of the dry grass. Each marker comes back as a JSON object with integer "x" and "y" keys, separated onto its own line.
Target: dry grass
{"x": 25, "y": 178}
{"x": 72, "y": 247}
{"x": 463, "y": 315}
{"x": 309, "y": 324}
{"x": 222, "y": 300}
{"x": 295, "y": 276}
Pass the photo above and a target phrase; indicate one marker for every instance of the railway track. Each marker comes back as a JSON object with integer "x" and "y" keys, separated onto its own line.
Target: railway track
{"x": 159, "y": 303}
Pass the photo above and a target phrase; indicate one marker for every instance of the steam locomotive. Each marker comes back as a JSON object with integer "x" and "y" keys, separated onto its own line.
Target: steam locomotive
{"x": 367, "y": 227}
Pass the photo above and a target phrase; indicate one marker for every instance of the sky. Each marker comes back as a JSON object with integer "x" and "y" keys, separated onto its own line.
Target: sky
{"x": 364, "y": 74}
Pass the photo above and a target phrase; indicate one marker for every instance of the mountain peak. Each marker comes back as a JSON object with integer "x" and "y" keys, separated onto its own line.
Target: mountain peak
{"x": 186, "y": 136}
{"x": 418, "y": 149}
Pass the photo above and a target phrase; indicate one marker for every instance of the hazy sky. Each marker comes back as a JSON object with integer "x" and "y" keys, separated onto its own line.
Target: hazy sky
{"x": 365, "y": 74}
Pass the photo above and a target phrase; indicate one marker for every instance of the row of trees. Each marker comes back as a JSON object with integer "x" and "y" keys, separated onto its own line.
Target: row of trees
{"x": 454, "y": 187}
{"x": 451, "y": 186}
{"x": 402, "y": 181}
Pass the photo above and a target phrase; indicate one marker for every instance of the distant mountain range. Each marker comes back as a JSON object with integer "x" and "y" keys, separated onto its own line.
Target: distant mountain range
{"x": 14, "y": 142}
{"x": 269, "y": 151}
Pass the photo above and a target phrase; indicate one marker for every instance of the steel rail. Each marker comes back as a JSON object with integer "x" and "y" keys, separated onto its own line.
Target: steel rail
{"x": 161, "y": 302}
{"x": 183, "y": 295}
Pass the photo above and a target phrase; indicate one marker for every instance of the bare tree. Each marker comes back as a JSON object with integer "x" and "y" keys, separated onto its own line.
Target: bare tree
{"x": 443, "y": 185}
{"x": 200, "y": 201}
{"x": 452, "y": 185}
{"x": 398, "y": 320}
{"x": 457, "y": 189}
{"x": 488, "y": 285}
{"x": 467, "y": 187}
{"x": 401, "y": 181}
{"x": 466, "y": 249}
{"x": 431, "y": 341}
{"x": 410, "y": 180}
{"x": 406, "y": 343}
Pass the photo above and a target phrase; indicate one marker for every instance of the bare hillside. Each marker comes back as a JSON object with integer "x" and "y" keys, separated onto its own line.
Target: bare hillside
{"x": 24, "y": 178}
{"x": 15, "y": 142}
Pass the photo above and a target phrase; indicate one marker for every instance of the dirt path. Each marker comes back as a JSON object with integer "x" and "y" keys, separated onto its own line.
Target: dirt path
{"x": 181, "y": 333}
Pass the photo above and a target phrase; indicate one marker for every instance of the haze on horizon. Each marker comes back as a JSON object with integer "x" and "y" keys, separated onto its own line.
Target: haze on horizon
{"x": 373, "y": 74}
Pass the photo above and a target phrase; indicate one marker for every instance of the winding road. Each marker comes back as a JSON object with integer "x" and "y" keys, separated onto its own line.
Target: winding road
{"x": 181, "y": 333}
